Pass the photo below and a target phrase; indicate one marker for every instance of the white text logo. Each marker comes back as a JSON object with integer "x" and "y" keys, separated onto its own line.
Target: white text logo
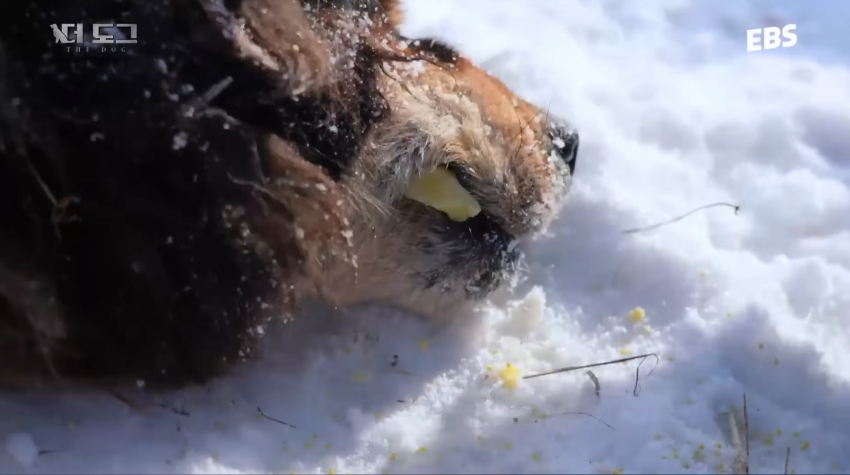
{"x": 771, "y": 38}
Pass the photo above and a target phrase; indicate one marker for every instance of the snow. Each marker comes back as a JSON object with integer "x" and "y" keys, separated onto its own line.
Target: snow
{"x": 674, "y": 115}
{"x": 22, "y": 448}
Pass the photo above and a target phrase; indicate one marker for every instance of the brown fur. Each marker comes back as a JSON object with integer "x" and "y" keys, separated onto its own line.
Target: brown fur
{"x": 303, "y": 158}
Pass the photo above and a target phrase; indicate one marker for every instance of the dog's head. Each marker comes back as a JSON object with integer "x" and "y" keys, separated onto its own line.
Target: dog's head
{"x": 446, "y": 184}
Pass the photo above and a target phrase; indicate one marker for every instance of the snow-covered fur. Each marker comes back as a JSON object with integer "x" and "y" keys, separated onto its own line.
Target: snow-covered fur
{"x": 160, "y": 202}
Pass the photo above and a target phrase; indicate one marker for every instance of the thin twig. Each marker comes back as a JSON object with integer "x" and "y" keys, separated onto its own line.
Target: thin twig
{"x": 679, "y": 218}
{"x": 787, "y": 457}
{"x": 129, "y": 403}
{"x": 215, "y": 91}
{"x": 580, "y": 413}
{"x": 746, "y": 436}
{"x": 263, "y": 414}
{"x": 636, "y": 390}
{"x": 596, "y": 386}
{"x": 41, "y": 182}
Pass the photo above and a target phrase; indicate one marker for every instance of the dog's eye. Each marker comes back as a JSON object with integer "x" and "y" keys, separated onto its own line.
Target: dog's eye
{"x": 440, "y": 189}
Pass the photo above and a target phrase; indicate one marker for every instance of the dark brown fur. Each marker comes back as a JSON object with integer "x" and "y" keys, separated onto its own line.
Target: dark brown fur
{"x": 123, "y": 256}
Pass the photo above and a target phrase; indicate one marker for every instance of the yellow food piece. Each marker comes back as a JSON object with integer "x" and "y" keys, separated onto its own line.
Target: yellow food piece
{"x": 637, "y": 315}
{"x": 440, "y": 190}
{"x": 510, "y": 376}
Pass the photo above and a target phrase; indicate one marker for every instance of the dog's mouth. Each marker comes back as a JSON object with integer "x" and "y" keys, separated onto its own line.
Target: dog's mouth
{"x": 481, "y": 253}
{"x": 441, "y": 190}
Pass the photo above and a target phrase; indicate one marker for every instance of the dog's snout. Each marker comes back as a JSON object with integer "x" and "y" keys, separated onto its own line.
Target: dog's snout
{"x": 565, "y": 145}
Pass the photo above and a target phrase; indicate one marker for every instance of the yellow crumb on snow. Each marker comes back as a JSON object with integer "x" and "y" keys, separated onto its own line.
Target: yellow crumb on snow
{"x": 535, "y": 456}
{"x": 510, "y": 375}
{"x": 617, "y": 471}
{"x": 331, "y": 471}
{"x": 805, "y": 445}
{"x": 361, "y": 376}
{"x": 728, "y": 314}
{"x": 392, "y": 457}
{"x": 507, "y": 446}
{"x": 637, "y": 315}
{"x": 378, "y": 415}
{"x": 795, "y": 434}
{"x": 328, "y": 446}
{"x": 308, "y": 444}
{"x": 348, "y": 350}
{"x": 625, "y": 351}
{"x": 420, "y": 450}
{"x": 424, "y": 344}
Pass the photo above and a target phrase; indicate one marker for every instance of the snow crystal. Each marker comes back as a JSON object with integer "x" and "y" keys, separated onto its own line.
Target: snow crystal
{"x": 22, "y": 448}
{"x": 180, "y": 140}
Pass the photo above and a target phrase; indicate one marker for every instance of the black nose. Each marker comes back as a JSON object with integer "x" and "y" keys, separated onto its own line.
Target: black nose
{"x": 565, "y": 145}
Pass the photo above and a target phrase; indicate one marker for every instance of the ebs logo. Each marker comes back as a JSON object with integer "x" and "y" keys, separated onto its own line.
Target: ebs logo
{"x": 771, "y": 38}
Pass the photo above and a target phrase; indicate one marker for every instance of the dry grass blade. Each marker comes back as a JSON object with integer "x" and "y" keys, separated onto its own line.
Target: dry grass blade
{"x": 742, "y": 456}
{"x": 596, "y": 386}
{"x": 787, "y": 458}
{"x": 580, "y": 413}
{"x": 636, "y": 390}
{"x": 679, "y": 218}
{"x": 266, "y": 416}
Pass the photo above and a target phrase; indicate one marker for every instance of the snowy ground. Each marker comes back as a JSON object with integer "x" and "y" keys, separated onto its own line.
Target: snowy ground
{"x": 759, "y": 303}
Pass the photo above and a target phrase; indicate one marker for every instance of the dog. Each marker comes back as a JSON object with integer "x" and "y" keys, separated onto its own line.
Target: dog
{"x": 161, "y": 199}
